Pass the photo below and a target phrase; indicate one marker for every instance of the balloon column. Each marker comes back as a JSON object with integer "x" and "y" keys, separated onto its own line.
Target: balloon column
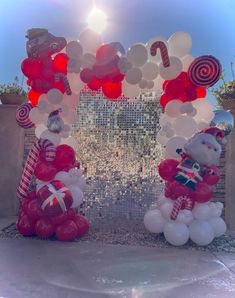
{"x": 53, "y": 208}
{"x": 192, "y": 151}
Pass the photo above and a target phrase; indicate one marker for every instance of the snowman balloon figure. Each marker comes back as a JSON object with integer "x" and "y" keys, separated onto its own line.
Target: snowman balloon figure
{"x": 185, "y": 210}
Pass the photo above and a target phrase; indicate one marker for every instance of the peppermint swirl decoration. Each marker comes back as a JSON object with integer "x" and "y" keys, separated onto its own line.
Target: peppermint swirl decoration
{"x": 204, "y": 71}
{"x": 22, "y": 115}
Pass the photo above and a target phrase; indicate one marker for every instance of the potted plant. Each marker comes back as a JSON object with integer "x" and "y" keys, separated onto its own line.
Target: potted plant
{"x": 13, "y": 93}
{"x": 225, "y": 93}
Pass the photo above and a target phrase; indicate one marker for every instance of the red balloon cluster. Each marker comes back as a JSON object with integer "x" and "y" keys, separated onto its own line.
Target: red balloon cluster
{"x": 174, "y": 189}
{"x": 65, "y": 160}
{"x": 40, "y": 68}
{"x": 105, "y": 73}
{"x": 181, "y": 88}
{"x": 33, "y": 221}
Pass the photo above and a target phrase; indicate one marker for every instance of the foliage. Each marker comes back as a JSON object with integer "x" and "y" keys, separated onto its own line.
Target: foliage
{"x": 13, "y": 88}
{"x": 227, "y": 89}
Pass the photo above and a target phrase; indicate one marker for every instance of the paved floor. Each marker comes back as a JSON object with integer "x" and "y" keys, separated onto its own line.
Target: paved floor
{"x": 33, "y": 268}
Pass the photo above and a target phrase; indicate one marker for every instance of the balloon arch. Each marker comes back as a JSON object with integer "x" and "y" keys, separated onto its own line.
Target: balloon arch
{"x": 57, "y": 70}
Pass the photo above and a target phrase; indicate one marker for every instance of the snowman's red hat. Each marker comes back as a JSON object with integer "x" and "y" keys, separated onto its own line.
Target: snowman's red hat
{"x": 217, "y": 133}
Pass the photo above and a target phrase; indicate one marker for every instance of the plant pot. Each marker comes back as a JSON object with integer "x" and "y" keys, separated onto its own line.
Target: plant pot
{"x": 12, "y": 99}
{"x": 228, "y": 104}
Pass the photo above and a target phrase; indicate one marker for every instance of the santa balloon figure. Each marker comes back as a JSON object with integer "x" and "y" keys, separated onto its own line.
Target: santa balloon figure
{"x": 185, "y": 210}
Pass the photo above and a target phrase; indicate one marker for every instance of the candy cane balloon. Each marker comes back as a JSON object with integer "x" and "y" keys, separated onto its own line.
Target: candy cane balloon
{"x": 163, "y": 50}
{"x": 184, "y": 200}
{"x": 27, "y": 175}
{"x": 61, "y": 76}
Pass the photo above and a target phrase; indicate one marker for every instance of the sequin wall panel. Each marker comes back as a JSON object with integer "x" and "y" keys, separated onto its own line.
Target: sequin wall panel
{"x": 117, "y": 146}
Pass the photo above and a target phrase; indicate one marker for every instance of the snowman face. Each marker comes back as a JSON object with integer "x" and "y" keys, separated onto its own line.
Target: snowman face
{"x": 204, "y": 149}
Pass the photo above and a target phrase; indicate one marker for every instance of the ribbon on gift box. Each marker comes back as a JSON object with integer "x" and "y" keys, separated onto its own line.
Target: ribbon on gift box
{"x": 57, "y": 194}
{"x": 178, "y": 203}
{"x": 28, "y": 171}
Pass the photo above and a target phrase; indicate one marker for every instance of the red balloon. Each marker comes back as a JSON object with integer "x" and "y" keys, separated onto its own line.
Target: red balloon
{"x": 26, "y": 226}
{"x": 82, "y": 225}
{"x": 105, "y": 54}
{"x": 32, "y": 68}
{"x": 34, "y": 96}
{"x": 94, "y": 84}
{"x": 31, "y": 195}
{"x": 45, "y": 170}
{"x": 118, "y": 77}
{"x": 203, "y": 193}
{"x": 67, "y": 231}
{"x": 212, "y": 175}
{"x": 201, "y": 92}
{"x": 65, "y": 157}
{"x": 60, "y": 63}
{"x": 112, "y": 90}
{"x": 168, "y": 169}
{"x": 59, "y": 219}
{"x": 86, "y": 75}
{"x": 24, "y": 205}
{"x": 175, "y": 189}
{"x": 174, "y": 88}
{"x": 164, "y": 99}
{"x": 44, "y": 228}
{"x": 71, "y": 213}
{"x": 34, "y": 211}
{"x": 164, "y": 84}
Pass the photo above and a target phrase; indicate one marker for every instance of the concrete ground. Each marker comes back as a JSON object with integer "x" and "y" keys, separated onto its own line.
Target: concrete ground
{"x": 33, "y": 268}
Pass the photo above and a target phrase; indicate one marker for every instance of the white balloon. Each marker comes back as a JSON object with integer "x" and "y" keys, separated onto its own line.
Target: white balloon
{"x": 90, "y": 40}
{"x": 74, "y": 49}
{"x": 202, "y": 125}
{"x": 168, "y": 156}
{"x": 175, "y": 143}
{"x": 201, "y": 232}
{"x": 150, "y": 71}
{"x": 158, "y": 56}
{"x": 71, "y": 117}
{"x": 137, "y": 54}
{"x": 176, "y": 233}
{"x": 158, "y": 82}
{"x": 202, "y": 211}
{"x": 124, "y": 65}
{"x": 74, "y": 65}
{"x": 215, "y": 211}
{"x": 164, "y": 119}
{"x": 186, "y": 108}
{"x": 173, "y": 108}
{"x": 40, "y": 128}
{"x": 166, "y": 209}
{"x": 185, "y": 126}
{"x": 185, "y": 217}
{"x": 75, "y": 173}
{"x": 172, "y": 71}
{"x": 218, "y": 225}
{"x": 150, "y": 84}
{"x": 76, "y": 84}
{"x": 70, "y": 141}
{"x": 42, "y": 102}
{"x": 71, "y": 101}
{"x": 179, "y": 44}
{"x": 204, "y": 108}
{"x": 130, "y": 91}
{"x": 81, "y": 183}
{"x": 161, "y": 139}
{"x": 133, "y": 76}
{"x": 49, "y": 108}
{"x": 186, "y": 61}
{"x": 64, "y": 177}
{"x": 77, "y": 195}
{"x": 36, "y": 117}
{"x": 143, "y": 84}
{"x": 153, "y": 221}
{"x": 88, "y": 60}
{"x": 53, "y": 137}
{"x": 54, "y": 96}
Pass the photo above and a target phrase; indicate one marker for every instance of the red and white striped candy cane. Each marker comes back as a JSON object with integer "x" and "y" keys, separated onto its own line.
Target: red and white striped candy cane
{"x": 163, "y": 50}
{"x": 61, "y": 76}
{"x": 27, "y": 175}
{"x": 178, "y": 203}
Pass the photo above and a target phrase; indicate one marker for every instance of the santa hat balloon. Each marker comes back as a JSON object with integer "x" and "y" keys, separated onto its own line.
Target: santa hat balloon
{"x": 217, "y": 133}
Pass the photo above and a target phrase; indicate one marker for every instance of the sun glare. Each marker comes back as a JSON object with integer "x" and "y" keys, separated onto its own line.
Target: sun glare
{"x": 97, "y": 20}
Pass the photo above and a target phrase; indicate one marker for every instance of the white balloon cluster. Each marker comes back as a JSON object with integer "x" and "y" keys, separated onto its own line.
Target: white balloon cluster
{"x": 74, "y": 181}
{"x": 201, "y": 225}
{"x": 181, "y": 121}
{"x": 66, "y": 105}
{"x": 142, "y": 70}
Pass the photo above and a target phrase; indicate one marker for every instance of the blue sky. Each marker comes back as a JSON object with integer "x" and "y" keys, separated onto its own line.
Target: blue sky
{"x": 211, "y": 24}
